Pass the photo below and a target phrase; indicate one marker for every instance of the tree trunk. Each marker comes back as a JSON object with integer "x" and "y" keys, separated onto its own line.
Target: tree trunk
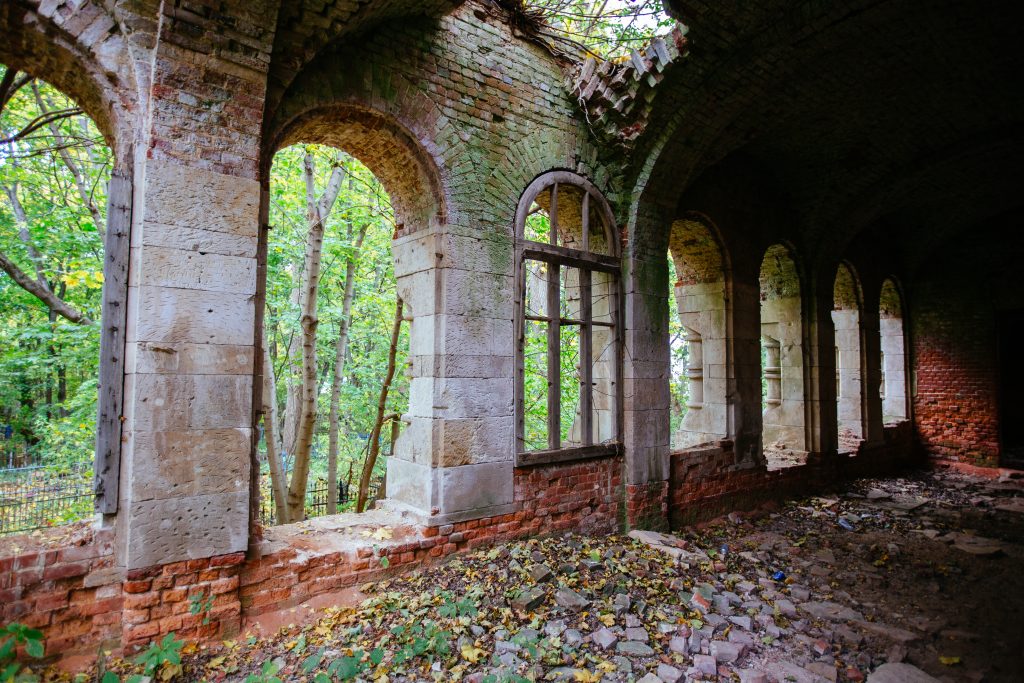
{"x": 277, "y": 476}
{"x": 339, "y": 372}
{"x": 316, "y": 214}
{"x": 371, "y": 456}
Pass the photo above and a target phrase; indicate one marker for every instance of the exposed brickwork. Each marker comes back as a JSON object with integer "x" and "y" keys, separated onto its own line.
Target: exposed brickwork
{"x": 63, "y": 584}
{"x": 955, "y": 403}
{"x": 157, "y": 600}
{"x": 706, "y": 483}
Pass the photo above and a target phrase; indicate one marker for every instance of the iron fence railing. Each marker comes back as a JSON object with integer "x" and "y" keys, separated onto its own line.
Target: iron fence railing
{"x": 35, "y": 497}
{"x": 38, "y": 497}
{"x": 316, "y": 497}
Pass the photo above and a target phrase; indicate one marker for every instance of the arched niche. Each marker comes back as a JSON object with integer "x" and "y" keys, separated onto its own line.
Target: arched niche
{"x": 702, "y": 310}
{"x": 846, "y": 320}
{"x": 783, "y": 433}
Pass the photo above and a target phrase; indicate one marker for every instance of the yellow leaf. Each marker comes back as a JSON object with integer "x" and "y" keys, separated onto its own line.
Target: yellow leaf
{"x": 383, "y": 533}
{"x": 585, "y": 676}
{"x": 169, "y": 671}
{"x": 607, "y": 619}
{"x": 471, "y": 653}
{"x": 949, "y": 661}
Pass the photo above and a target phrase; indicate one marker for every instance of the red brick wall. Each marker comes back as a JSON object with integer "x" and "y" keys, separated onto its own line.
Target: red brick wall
{"x": 63, "y": 584}
{"x": 956, "y": 413}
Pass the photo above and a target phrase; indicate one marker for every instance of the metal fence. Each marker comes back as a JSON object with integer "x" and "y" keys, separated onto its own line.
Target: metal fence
{"x": 316, "y": 498}
{"x": 36, "y": 497}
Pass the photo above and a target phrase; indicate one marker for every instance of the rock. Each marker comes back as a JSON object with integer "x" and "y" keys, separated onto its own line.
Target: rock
{"x": 830, "y": 611}
{"x": 785, "y": 608}
{"x": 900, "y": 673}
{"x": 649, "y": 678}
{"x": 700, "y": 603}
{"x": 638, "y": 634}
{"x": 633, "y": 621}
{"x": 529, "y": 600}
{"x": 623, "y": 664}
{"x": 565, "y": 673}
{"x": 706, "y": 665}
{"x": 891, "y": 632}
{"x": 742, "y": 638}
{"x": 669, "y": 674}
{"x": 821, "y": 647}
{"x": 678, "y": 645}
{"x": 793, "y": 673}
{"x": 541, "y": 573}
{"x": 726, "y": 652}
{"x": 622, "y": 603}
{"x": 506, "y": 646}
{"x": 799, "y": 593}
{"x": 823, "y": 669}
{"x": 604, "y": 638}
{"x": 554, "y": 628}
{"x": 633, "y": 648}
{"x": 571, "y": 600}
{"x": 743, "y": 622}
{"x": 752, "y": 676}
{"x": 572, "y": 637}
{"x": 896, "y": 654}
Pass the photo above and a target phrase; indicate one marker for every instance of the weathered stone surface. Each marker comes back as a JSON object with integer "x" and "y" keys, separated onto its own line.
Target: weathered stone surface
{"x": 899, "y": 673}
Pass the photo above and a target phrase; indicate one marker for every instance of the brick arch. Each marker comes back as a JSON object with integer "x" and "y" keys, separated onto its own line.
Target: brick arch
{"x": 846, "y": 292}
{"x": 78, "y": 49}
{"x": 779, "y": 275}
{"x": 890, "y": 299}
{"x": 697, "y": 250}
{"x": 389, "y": 150}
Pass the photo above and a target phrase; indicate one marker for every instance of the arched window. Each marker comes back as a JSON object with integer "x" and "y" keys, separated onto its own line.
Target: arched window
{"x": 568, "y": 355}
{"x": 894, "y": 376}
{"x": 782, "y": 360}
{"x": 846, "y": 298}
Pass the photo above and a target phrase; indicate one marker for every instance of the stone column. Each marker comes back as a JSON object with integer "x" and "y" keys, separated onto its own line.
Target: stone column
{"x": 872, "y": 375}
{"x": 820, "y": 376}
{"x": 189, "y": 359}
{"x": 454, "y": 459}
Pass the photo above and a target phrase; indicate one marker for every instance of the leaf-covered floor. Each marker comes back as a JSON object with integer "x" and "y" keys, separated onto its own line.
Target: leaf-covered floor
{"x": 824, "y": 589}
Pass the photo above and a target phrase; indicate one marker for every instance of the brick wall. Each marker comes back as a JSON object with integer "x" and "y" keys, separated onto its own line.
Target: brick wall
{"x": 63, "y": 583}
{"x": 956, "y": 413}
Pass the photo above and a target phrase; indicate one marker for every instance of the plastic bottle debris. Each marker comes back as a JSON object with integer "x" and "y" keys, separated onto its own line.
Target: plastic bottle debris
{"x": 845, "y": 524}
{"x": 779, "y": 576}
{"x": 724, "y": 550}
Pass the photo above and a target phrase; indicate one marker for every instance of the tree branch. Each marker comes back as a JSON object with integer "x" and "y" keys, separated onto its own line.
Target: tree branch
{"x": 52, "y": 301}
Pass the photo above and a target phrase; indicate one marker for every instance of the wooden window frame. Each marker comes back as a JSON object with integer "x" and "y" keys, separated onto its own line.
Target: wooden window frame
{"x": 586, "y": 262}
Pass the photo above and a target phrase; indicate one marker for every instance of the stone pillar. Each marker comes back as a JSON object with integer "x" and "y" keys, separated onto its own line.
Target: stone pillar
{"x": 646, "y": 377}
{"x": 872, "y": 373}
{"x": 189, "y": 358}
{"x": 847, "y": 325}
{"x": 454, "y": 459}
{"x": 744, "y": 389}
{"x": 820, "y": 376}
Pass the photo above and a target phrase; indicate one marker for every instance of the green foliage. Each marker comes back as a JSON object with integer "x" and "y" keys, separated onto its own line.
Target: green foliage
{"x": 268, "y": 672}
{"x": 50, "y": 365}
{"x": 361, "y": 202}
{"x": 200, "y": 604}
{"x": 608, "y": 28}
{"x": 11, "y": 636}
{"x": 160, "y": 655}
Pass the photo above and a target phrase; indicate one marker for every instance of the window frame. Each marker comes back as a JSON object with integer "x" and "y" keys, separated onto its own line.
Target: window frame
{"x": 586, "y": 262}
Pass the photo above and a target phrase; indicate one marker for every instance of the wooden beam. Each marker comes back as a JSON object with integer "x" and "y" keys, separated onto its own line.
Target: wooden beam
{"x": 112, "y": 341}
{"x": 567, "y": 256}
{"x": 554, "y": 360}
{"x": 531, "y": 458}
{"x": 586, "y": 360}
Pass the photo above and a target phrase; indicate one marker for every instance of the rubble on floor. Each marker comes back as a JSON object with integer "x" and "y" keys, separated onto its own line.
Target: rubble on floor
{"x": 909, "y": 580}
